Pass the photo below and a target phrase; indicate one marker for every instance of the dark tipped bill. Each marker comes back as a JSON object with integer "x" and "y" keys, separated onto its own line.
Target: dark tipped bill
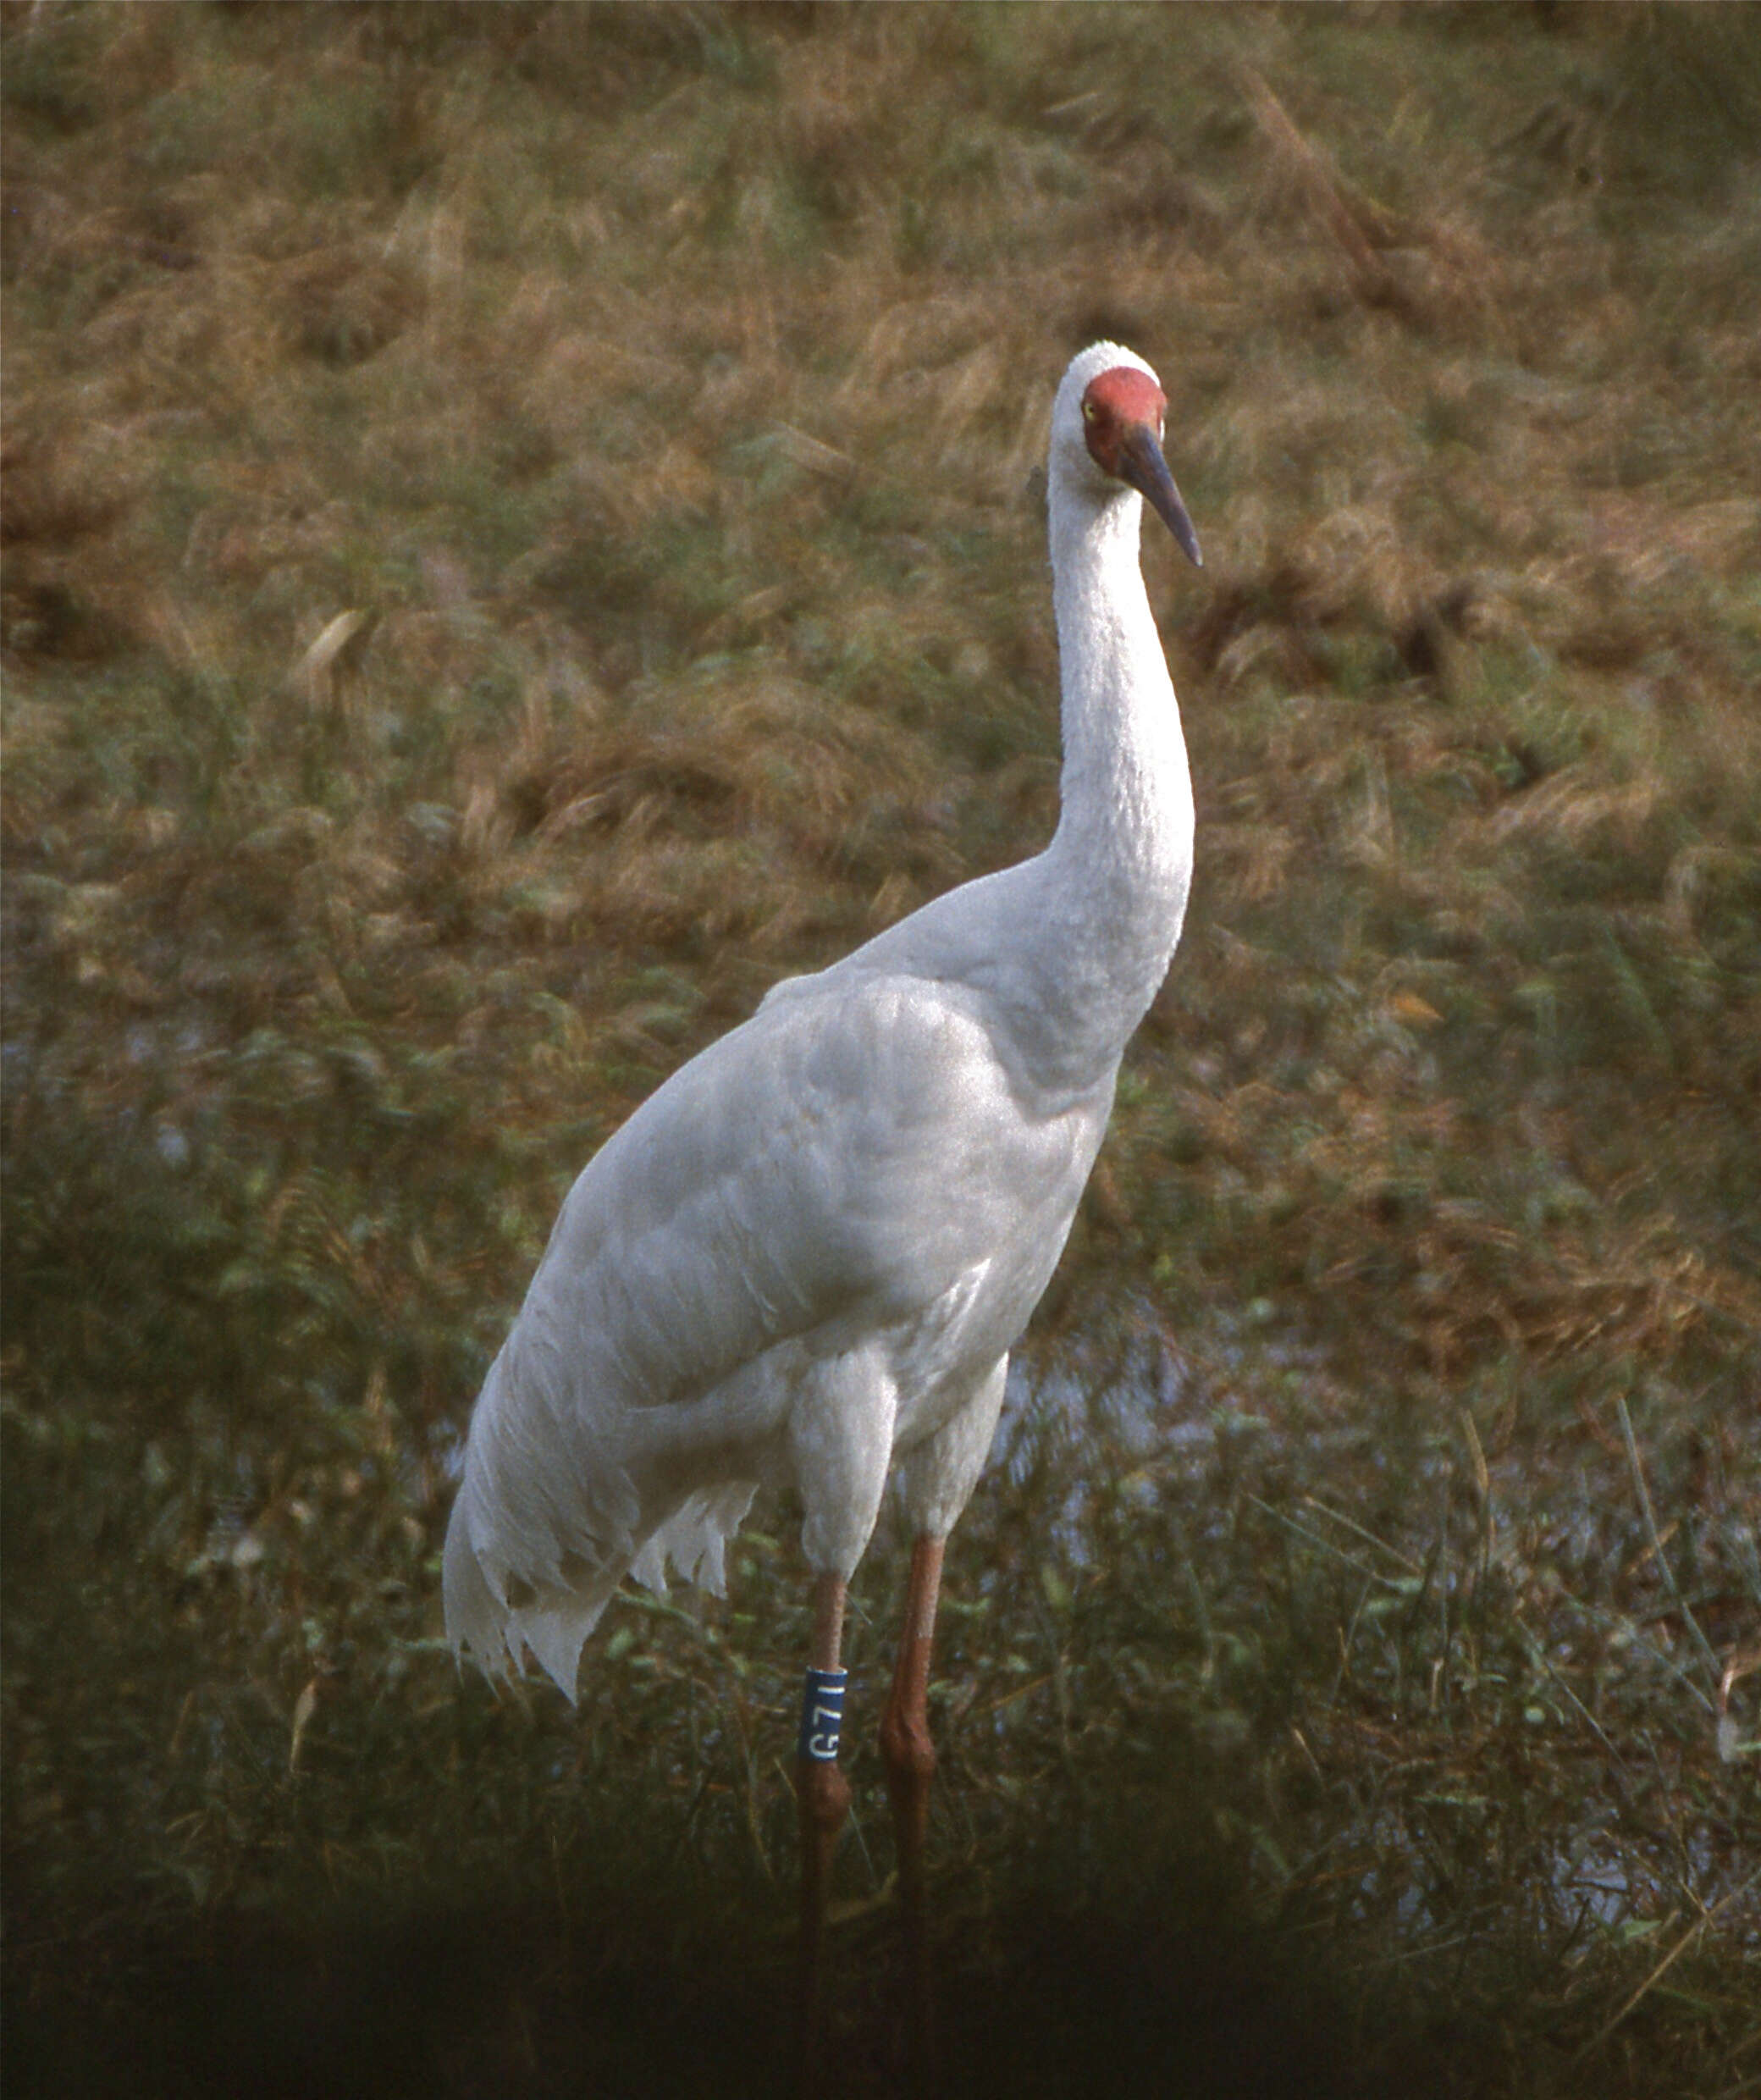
{"x": 1141, "y": 464}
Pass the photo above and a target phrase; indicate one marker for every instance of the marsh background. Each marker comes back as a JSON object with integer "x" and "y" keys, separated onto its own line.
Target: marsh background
{"x": 520, "y": 530}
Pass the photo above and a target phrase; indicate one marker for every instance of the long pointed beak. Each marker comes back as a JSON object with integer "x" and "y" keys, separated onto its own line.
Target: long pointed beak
{"x": 1141, "y": 464}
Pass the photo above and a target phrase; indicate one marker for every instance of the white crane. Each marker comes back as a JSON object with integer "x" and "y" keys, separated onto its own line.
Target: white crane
{"x": 806, "y": 1257}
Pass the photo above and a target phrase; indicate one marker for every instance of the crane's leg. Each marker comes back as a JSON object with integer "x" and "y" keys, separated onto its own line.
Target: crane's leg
{"x": 938, "y": 1477}
{"x": 909, "y": 1756}
{"x": 822, "y": 1795}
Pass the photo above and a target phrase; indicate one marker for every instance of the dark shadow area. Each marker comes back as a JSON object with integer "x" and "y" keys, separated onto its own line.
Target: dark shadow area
{"x": 1105, "y": 1960}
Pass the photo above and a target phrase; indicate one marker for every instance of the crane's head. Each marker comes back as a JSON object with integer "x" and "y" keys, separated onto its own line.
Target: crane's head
{"x": 1120, "y": 405}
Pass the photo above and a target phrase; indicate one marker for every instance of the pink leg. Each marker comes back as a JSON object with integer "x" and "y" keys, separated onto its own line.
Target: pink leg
{"x": 822, "y": 1795}
{"x": 909, "y": 1756}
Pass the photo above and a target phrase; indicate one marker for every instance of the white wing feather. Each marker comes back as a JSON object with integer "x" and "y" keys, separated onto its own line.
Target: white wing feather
{"x": 855, "y": 1162}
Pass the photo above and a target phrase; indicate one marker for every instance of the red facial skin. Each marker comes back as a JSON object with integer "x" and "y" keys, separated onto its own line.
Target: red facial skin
{"x": 1118, "y": 401}
{"x": 1122, "y": 413}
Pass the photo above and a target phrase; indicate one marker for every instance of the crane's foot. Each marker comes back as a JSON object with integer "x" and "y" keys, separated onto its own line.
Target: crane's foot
{"x": 822, "y": 1795}
{"x": 822, "y": 1801}
{"x": 910, "y": 1759}
{"x": 909, "y": 1756}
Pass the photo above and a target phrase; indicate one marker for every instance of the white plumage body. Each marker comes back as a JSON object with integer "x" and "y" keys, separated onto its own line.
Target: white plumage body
{"x": 806, "y": 1256}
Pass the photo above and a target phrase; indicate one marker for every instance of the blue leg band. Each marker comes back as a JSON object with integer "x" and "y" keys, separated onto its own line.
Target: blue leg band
{"x": 822, "y": 1716}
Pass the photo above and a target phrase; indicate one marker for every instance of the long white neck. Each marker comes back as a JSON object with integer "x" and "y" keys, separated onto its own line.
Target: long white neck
{"x": 1071, "y": 946}
{"x": 1115, "y": 878}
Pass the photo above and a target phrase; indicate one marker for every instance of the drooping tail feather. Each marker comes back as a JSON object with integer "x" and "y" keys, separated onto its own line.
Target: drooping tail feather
{"x": 553, "y": 1620}
{"x": 695, "y": 1540}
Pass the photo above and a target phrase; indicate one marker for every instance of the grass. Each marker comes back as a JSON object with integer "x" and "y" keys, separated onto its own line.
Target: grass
{"x": 519, "y": 531}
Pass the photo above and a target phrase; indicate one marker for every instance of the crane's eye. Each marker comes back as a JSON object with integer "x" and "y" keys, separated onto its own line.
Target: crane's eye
{"x": 1089, "y": 411}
